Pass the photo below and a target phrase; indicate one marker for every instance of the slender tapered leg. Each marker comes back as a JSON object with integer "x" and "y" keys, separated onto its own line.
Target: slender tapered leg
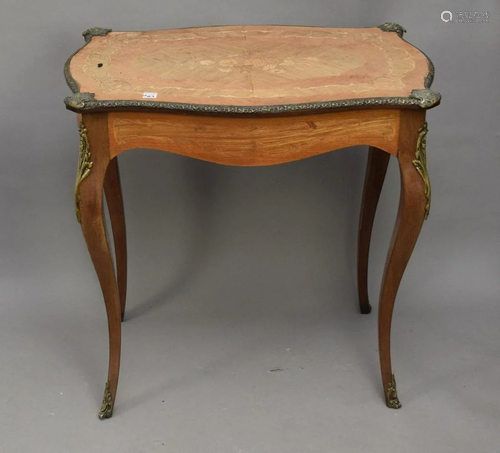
{"x": 114, "y": 199}
{"x": 376, "y": 169}
{"x": 413, "y": 209}
{"x": 93, "y": 162}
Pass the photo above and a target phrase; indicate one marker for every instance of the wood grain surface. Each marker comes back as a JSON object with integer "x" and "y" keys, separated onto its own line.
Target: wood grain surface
{"x": 249, "y": 65}
{"x": 114, "y": 201}
{"x": 253, "y": 141}
{"x": 410, "y": 217}
{"x": 94, "y": 231}
{"x": 376, "y": 169}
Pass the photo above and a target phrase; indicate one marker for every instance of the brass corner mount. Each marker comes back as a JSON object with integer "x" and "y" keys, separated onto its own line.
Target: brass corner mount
{"x": 95, "y": 31}
{"x": 393, "y": 27}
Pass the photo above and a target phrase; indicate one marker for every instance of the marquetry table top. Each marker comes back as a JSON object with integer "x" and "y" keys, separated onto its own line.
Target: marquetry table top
{"x": 249, "y": 69}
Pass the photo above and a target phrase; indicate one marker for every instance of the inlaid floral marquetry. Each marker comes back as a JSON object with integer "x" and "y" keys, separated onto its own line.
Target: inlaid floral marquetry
{"x": 249, "y": 65}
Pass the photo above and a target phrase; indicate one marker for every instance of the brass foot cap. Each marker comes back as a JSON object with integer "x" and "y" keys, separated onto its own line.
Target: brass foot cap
{"x": 394, "y": 403}
{"x": 104, "y": 415}
{"x": 107, "y": 404}
{"x": 391, "y": 395}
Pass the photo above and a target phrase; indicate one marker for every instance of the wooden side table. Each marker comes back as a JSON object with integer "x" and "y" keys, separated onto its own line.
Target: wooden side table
{"x": 251, "y": 95}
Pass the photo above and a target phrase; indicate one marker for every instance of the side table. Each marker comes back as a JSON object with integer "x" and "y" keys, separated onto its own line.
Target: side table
{"x": 249, "y": 96}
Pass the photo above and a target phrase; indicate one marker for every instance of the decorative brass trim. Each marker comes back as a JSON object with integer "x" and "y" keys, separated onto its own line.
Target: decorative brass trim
{"x": 83, "y": 169}
{"x": 107, "y": 404}
{"x": 420, "y": 163}
{"x": 392, "y": 27}
{"x": 94, "y": 31}
{"x": 87, "y": 35}
{"x": 86, "y": 102}
{"x": 80, "y": 102}
{"x": 391, "y": 395}
{"x": 426, "y": 98}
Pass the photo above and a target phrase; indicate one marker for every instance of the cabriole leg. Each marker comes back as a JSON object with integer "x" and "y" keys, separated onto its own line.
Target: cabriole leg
{"x": 92, "y": 166}
{"x": 376, "y": 169}
{"x": 114, "y": 199}
{"x": 413, "y": 209}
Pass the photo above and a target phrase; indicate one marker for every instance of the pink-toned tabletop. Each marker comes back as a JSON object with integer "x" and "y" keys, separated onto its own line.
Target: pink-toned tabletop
{"x": 249, "y": 65}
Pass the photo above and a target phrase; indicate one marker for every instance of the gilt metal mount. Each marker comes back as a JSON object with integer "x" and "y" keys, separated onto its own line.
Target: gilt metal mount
{"x": 79, "y": 100}
{"x": 420, "y": 163}
{"x": 391, "y": 26}
{"x": 391, "y": 395}
{"x": 95, "y": 31}
{"x": 84, "y": 167}
{"x": 107, "y": 404}
{"x": 426, "y": 98}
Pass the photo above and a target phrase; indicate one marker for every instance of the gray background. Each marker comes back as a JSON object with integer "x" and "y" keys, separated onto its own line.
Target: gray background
{"x": 238, "y": 271}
